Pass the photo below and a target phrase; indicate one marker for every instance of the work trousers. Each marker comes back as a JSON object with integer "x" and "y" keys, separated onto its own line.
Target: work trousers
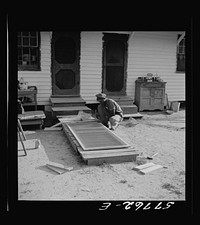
{"x": 106, "y": 120}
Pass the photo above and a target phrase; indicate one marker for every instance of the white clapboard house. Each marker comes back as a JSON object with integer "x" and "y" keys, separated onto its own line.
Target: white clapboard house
{"x": 70, "y": 68}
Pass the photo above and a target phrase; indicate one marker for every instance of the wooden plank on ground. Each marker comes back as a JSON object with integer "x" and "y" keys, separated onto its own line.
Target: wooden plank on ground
{"x": 58, "y": 170}
{"x": 151, "y": 168}
{"x": 52, "y": 128}
{"x": 108, "y": 154}
{"x": 58, "y": 165}
{"x": 104, "y": 152}
{"x": 144, "y": 166}
{"x": 111, "y": 159}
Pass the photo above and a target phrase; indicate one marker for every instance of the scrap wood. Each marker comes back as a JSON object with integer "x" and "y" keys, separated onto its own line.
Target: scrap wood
{"x": 59, "y": 168}
{"x": 137, "y": 168}
{"x": 151, "y": 168}
{"x": 56, "y": 169}
{"x": 146, "y": 168}
{"x": 52, "y": 128}
{"x": 56, "y": 125}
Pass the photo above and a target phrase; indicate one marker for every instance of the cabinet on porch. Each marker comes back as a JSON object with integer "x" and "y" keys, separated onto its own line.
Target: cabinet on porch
{"x": 149, "y": 95}
{"x": 28, "y": 97}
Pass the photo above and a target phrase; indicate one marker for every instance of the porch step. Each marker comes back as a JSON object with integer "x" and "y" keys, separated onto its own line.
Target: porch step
{"x": 122, "y": 99}
{"x": 69, "y": 110}
{"x": 67, "y": 101}
{"x": 129, "y": 109}
{"x": 126, "y": 103}
{"x": 67, "y": 105}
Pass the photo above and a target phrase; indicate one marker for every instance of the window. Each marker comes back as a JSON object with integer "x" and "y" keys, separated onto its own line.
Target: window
{"x": 181, "y": 55}
{"x": 28, "y": 50}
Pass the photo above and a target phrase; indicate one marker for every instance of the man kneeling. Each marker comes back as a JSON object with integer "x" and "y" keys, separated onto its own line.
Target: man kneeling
{"x": 109, "y": 112}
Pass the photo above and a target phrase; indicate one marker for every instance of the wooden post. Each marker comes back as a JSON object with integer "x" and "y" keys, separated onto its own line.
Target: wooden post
{"x": 21, "y": 130}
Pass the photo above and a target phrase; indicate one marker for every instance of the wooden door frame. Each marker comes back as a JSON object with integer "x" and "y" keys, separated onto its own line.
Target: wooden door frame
{"x": 124, "y": 39}
{"x": 78, "y": 64}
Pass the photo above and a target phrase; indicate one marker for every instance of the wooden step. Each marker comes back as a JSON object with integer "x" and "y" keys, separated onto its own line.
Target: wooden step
{"x": 122, "y": 100}
{"x": 65, "y": 101}
{"x": 129, "y": 109}
{"x": 120, "y": 97}
{"x": 70, "y": 108}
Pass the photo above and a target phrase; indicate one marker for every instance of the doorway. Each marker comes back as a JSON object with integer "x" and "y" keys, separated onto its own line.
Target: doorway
{"x": 114, "y": 64}
{"x": 65, "y": 63}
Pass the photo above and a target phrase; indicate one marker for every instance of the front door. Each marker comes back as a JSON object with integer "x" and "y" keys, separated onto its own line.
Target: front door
{"x": 114, "y": 64}
{"x": 65, "y": 63}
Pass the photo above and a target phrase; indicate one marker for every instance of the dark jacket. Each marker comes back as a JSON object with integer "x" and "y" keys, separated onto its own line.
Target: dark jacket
{"x": 112, "y": 107}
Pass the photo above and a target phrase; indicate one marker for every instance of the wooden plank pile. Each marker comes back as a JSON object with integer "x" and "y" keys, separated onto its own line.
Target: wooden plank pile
{"x": 146, "y": 168}
{"x": 96, "y": 144}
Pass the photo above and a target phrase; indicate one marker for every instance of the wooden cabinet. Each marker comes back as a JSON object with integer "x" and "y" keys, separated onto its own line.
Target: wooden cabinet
{"x": 28, "y": 97}
{"x": 149, "y": 95}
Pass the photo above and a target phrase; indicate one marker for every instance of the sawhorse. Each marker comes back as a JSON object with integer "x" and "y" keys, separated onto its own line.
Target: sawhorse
{"x": 21, "y": 132}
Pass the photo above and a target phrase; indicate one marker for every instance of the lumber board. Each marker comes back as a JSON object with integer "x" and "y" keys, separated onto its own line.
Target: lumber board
{"x": 71, "y": 140}
{"x": 111, "y": 159}
{"x": 57, "y": 165}
{"x": 57, "y": 169}
{"x": 151, "y": 168}
{"x": 104, "y": 152}
{"x": 144, "y": 166}
{"x": 109, "y": 154}
{"x": 52, "y": 128}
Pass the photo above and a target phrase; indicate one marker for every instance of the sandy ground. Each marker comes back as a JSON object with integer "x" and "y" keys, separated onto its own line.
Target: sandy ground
{"x": 155, "y": 132}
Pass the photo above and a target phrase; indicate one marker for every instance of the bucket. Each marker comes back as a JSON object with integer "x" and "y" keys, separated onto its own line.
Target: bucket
{"x": 175, "y": 106}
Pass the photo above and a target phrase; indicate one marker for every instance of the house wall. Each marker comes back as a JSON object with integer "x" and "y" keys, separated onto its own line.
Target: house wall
{"x": 148, "y": 52}
{"x": 155, "y": 52}
{"x": 41, "y": 79}
{"x": 90, "y": 65}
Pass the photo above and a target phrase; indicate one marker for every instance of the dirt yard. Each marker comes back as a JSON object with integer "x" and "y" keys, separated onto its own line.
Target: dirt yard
{"x": 155, "y": 132}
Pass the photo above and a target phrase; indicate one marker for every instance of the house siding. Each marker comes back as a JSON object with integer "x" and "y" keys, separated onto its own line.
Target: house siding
{"x": 90, "y": 65}
{"x": 155, "y": 52}
{"x": 148, "y": 52}
{"x": 41, "y": 79}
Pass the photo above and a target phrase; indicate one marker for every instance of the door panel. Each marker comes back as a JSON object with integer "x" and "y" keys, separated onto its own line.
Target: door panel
{"x": 114, "y": 63}
{"x": 65, "y": 63}
{"x": 93, "y": 135}
{"x": 114, "y": 80}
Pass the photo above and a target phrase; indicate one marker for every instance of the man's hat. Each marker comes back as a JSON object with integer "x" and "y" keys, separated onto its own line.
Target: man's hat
{"x": 101, "y": 95}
